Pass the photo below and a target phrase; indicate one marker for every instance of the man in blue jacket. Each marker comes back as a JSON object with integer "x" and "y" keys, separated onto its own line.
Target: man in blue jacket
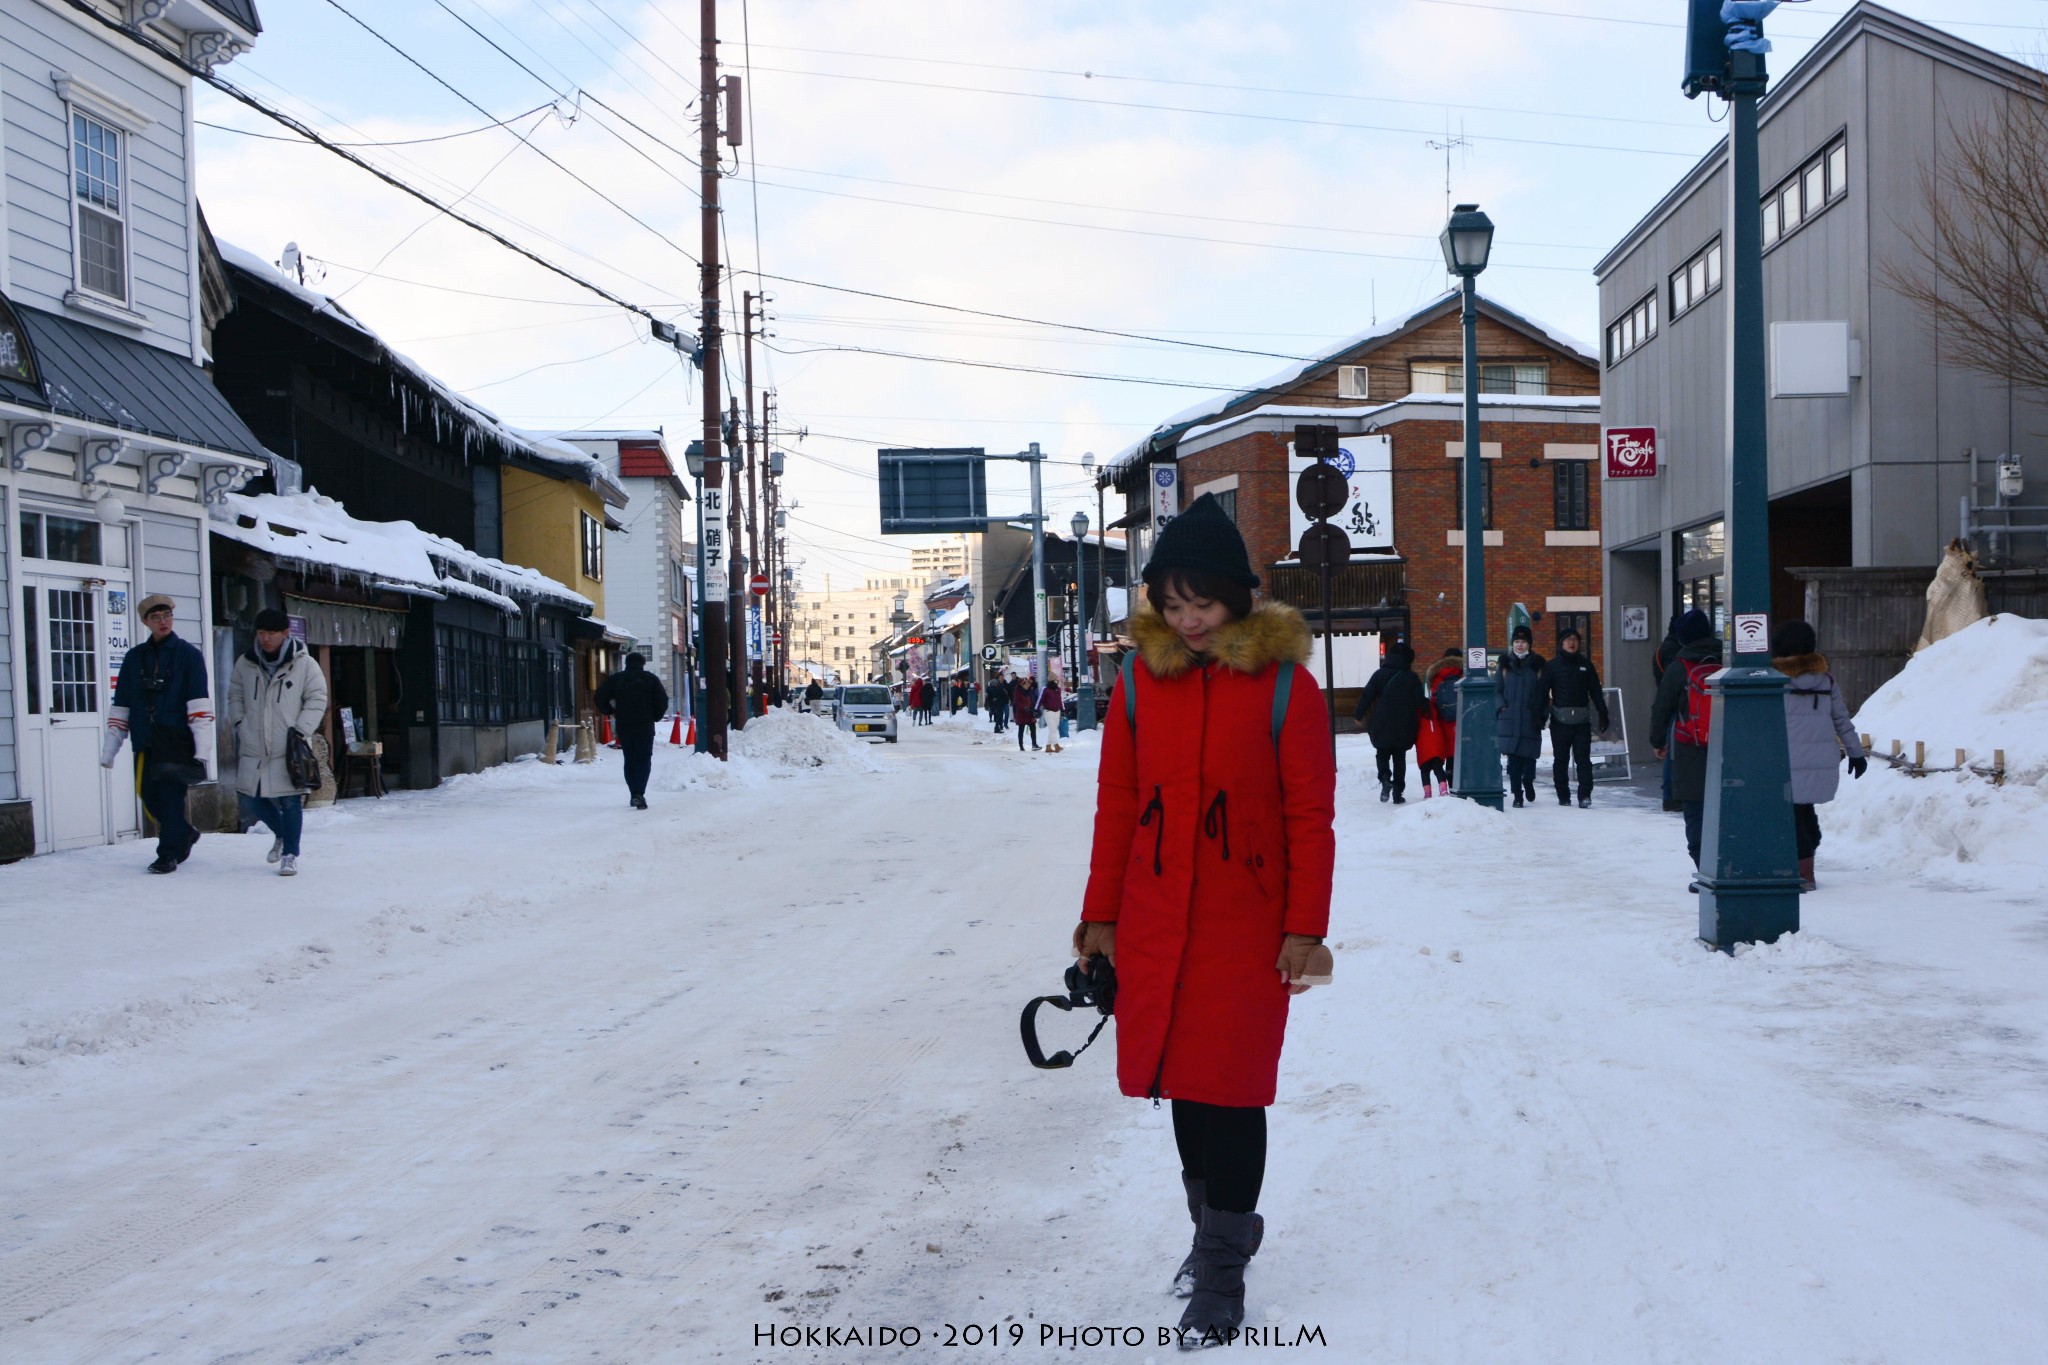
{"x": 161, "y": 703}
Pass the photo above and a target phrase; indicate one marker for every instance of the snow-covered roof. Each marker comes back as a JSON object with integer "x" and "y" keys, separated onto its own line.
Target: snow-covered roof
{"x": 952, "y": 616}
{"x": 1220, "y": 404}
{"x": 1577, "y": 402}
{"x": 426, "y": 397}
{"x": 318, "y": 532}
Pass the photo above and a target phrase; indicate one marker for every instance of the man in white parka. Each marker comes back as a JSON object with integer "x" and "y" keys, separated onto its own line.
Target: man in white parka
{"x": 275, "y": 689}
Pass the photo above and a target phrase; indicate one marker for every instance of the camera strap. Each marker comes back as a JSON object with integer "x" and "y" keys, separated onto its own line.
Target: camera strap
{"x": 1028, "y": 1026}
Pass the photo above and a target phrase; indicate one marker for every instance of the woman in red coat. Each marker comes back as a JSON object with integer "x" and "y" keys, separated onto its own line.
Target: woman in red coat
{"x": 1436, "y": 743}
{"x": 1209, "y": 885}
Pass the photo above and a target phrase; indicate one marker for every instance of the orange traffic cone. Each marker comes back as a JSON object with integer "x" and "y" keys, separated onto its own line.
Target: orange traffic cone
{"x": 692, "y": 740}
{"x": 604, "y": 730}
{"x": 675, "y": 732}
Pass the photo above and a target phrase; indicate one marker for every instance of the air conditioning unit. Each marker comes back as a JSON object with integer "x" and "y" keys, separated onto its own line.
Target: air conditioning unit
{"x": 1351, "y": 381}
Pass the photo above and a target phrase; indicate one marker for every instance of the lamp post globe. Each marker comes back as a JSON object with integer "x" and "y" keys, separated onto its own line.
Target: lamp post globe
{"x": 1467, "y": 242}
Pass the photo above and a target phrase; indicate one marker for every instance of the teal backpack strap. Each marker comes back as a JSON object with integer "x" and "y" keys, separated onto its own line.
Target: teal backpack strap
{"x": 1129, "y": 673}
{"x": 1283, "y": 688}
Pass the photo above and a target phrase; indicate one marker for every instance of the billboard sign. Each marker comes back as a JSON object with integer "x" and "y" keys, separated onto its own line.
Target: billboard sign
{"x": 933, "y": 490}
{"x": 1165, "y": 495}
{"x": 1367, "y": 515}
{"x": 1631, "y": 452}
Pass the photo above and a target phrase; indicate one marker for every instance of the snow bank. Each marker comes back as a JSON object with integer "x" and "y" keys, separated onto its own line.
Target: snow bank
{"x": 791, "y": 739}
{"x": 1982, "y": 689}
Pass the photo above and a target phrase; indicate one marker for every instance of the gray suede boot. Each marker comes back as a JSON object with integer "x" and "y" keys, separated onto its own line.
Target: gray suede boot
{"x": 1216, "y": 1309}
{"x": 1184, "y": 1278}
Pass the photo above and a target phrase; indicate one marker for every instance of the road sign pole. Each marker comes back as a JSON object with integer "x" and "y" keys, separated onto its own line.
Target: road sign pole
{"x": 1037, "y": 567}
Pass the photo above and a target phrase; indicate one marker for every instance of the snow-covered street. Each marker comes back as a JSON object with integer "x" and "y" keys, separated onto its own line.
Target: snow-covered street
{"x": 512, "y": 1071}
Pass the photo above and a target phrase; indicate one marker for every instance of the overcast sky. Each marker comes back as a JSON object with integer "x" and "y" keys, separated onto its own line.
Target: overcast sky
{"x": 1261, "y": 178}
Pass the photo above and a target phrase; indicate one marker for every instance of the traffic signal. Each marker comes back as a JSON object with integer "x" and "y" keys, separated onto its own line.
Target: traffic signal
{"x": 1706, "y": 49}
{"x": 1315, "y": 442}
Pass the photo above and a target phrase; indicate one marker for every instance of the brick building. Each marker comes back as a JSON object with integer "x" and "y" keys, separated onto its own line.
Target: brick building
{"x": 1395, "y": 396}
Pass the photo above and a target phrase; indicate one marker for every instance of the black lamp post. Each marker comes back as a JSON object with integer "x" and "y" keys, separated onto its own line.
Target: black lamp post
{"x": 973, "y": 663}
{"x": 1467, "y": 241}
{"x": 693, "y": 460}
{"x": 1084, "y": 682}
{"x": 1749, "y": 873}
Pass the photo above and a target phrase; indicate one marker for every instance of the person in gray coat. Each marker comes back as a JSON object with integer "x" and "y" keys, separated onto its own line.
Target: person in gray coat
{"x": 1521, "y": 711}
{"x": 1820, "y": 734}
{"x": 275, "y": 690}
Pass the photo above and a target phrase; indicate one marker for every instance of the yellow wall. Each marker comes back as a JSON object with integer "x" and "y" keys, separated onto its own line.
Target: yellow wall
{"x": 543, "y": 530}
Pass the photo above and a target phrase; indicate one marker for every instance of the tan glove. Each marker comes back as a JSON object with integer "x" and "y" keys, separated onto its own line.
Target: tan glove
{"x": 1304, "y": 962}
{"x": 1092, "y": 937}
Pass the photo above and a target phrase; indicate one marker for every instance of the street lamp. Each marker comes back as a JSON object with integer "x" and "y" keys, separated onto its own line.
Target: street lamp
{"x": 1084, "y": 689}
{"x": 973, "y": 662}
{"x": 1467, "y": 241}
{"x": 1748, "y": 879}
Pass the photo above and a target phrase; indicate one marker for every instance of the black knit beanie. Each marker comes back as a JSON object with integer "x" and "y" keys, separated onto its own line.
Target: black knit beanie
{"x": 1791, "y": 639}
{"x": 1205, "y": 539}
{"x": 1694, "y": 625}
{"x": 270, "y": 618}
{"x": 1521, "y": 633}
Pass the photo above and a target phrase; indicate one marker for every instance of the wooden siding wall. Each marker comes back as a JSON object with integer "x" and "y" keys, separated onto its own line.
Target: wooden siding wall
{"x": 173, "y": 563}
{"x": 36, "y": 40}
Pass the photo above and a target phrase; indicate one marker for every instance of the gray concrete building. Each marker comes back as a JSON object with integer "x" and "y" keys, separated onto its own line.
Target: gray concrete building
{"x": 1872, "y": 425}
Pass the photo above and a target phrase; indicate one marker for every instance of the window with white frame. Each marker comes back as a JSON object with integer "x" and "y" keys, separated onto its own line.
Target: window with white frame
{"x": 1448, "y": 376}
{"x": 1632, "y": 331}
{"x": 1351, "y": 381}
{"x": 1696, "y": 279}
{"x": 1799, "y": 198}
{"x": 98, "y": 189}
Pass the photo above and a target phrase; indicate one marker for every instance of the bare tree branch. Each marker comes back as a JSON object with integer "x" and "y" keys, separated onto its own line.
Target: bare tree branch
{"x": 1982, "y": 276}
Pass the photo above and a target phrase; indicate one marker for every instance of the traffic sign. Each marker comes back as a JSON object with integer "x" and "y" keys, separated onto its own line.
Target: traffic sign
{"x": 758, "y": 584}
{"x": 1322, "y": 490}
{"x": 1323, "y": 544}
{"x": 989, "y": 652}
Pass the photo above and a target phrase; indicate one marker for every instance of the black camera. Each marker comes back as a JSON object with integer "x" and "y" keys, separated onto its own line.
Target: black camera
{"x": 1090, "y": 985}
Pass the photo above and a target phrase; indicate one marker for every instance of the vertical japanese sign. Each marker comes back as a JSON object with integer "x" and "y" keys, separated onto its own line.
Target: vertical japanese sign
{"x": 1165, "y": 495}
{"x": 711, "y": 533}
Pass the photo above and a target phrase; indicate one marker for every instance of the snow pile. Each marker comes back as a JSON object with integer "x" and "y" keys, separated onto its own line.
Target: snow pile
{"x": 790, "y": 739}
{"x": 1982, "y": 689}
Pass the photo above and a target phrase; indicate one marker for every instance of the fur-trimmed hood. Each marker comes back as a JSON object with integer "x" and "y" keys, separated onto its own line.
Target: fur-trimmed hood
{"x": 1799, "y": 665}
{"x": 1273, "y": 633}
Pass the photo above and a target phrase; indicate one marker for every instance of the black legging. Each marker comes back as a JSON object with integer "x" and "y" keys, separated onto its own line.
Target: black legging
{"x": 1226, "y": 1149}
{"x": 1027, "y": 727}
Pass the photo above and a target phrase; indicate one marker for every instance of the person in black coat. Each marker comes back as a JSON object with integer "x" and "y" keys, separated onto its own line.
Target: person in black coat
{"x": 162, "y": 705}
{"x": 998, "y": 700}
{"x": 635, "y": 700}
{"x": 1667, "y": 650}
{"x": 1575, "y": 699}
{"x": 1699, "y": 656}
{"x": 1520, "y": 713}
{"x": 1391, "y": 707}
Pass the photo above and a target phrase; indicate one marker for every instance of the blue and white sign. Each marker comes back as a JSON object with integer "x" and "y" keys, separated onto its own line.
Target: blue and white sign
{"x": 1367, "y": 518}
{"x": 1165, "y": 495}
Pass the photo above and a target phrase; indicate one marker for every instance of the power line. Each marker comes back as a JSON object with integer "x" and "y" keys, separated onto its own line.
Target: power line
{"x": 1219, "y": 113}
{"x": 1020, "y": 369}
{"x": 437, "y": 79}
{"x": 1144, "y": 232}
{"x": 220, "y": 83}
{"x": 1243, "y": 89}
{"x": 400, "y": 142}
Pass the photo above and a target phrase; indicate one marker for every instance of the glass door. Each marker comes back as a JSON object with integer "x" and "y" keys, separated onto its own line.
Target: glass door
{"x": 72, "y": 651}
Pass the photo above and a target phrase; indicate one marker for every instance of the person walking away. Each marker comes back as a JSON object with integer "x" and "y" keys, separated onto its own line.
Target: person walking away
{"x": 1575, "y": 699}
{"x": 1391, "y": 709}
{"x": 1667, "y": 650}
{"x": 635, "y": 699}
{"x": 1436, "y": 737}
{"x": 1209, "y": 881}
{"x": 1052, "y": 704}
{"x": 1819, "y": 732}
{"x": 1024, "y": 711}
{"x": 1683, "y": 711}
{"x": 276, "y": 693}
{"x": 1520, "y": 711}
{"x": 931, "y": 700}
{"x": 814, "y": 692}
{"x": 162, "y": 706}
{"x": 998, "y": 702}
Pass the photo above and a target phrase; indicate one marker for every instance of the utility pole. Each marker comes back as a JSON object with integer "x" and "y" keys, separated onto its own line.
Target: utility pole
{"x": 757, "y": 564}
{"x": 1037, "y": 461}
{"x": 716, "y": 714}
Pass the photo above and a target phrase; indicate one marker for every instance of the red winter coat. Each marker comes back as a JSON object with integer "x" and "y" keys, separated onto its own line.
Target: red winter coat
{"x": 1211, "y": 844}
{"x": 1439, "y": 734}
{"x": 1023, "y": 702}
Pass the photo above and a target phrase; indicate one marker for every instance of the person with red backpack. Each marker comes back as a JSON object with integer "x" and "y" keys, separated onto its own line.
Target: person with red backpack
{"x": 1684, "y": 706}
{"x": 1436, "y": 739}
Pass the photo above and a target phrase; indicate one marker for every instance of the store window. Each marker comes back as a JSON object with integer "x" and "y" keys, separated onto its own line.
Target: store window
{"x": 69, "y": 540}
{"x": 1574, "y": 510}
